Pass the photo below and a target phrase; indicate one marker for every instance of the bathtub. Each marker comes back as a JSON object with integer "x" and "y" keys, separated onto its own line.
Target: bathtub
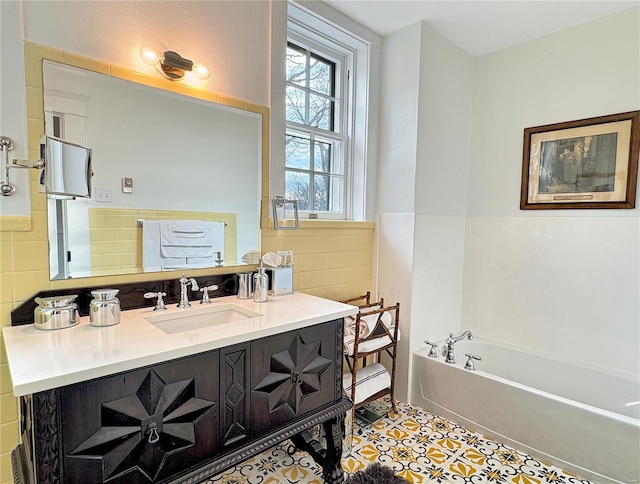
{"x": 581, "y": 419}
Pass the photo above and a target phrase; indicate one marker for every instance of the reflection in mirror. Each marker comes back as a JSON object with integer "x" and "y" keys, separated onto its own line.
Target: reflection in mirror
{"x": 188, "y": 167}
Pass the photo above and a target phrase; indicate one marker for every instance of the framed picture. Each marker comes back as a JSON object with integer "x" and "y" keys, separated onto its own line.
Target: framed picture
{"x": 589, "y": 163}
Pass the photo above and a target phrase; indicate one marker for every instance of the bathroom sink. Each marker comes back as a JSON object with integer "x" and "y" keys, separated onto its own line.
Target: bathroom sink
{"x": 198, "y": 318}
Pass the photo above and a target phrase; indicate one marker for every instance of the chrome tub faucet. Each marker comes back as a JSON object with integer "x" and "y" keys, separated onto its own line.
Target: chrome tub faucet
{"x": 184, "y": 282}
{"x": 447, "y": 349}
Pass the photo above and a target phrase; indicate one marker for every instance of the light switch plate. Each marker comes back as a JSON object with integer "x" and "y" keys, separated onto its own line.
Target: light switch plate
{"x": 104, "y": 195}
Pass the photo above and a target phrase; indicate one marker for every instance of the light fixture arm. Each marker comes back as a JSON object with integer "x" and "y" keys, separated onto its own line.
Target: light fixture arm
{"x": 172, "y": 65}
{"x": 6, "y": 187}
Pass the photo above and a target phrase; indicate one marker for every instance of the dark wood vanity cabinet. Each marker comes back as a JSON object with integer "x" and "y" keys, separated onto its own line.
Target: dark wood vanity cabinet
{"x": 187, "y": 419}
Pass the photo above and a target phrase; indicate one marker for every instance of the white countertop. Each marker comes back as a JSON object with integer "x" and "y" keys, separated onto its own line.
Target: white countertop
{"x": 41, "y": 360}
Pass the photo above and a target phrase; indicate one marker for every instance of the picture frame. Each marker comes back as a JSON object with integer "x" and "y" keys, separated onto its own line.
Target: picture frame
{"x": 585, "y": 164}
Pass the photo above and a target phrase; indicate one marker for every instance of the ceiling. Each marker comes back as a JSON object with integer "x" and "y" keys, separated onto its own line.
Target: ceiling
{"x": 479, "y": 27}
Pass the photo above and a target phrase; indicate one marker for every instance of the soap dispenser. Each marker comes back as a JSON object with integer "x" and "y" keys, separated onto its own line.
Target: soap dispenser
{"x": 260, "y": 284}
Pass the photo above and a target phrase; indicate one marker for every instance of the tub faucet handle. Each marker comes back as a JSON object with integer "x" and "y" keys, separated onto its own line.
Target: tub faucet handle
{"x": 160, "y": 306}
{"x": 433, "y": 352}
{"x": 469, "y": 365}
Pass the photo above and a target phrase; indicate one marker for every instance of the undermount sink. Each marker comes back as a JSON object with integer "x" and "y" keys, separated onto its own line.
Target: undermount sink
{"x": 198, "y": 318}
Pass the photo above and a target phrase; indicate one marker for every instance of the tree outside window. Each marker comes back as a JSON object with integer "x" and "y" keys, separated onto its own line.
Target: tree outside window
{"x": 314, "y": 170}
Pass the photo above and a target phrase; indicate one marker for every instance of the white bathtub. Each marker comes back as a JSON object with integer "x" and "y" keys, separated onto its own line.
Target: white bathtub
{"x": 581, "y": 419}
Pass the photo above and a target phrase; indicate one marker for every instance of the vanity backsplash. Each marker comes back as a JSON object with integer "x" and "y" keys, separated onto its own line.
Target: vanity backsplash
{"x": 130, "y": 295}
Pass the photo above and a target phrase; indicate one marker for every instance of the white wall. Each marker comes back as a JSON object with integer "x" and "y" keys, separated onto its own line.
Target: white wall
{"x": 13, "y": 118}
{"x": 424, "y": 125}
{"x": 397, "y": 145}
{"x": 444, "y": 118}
{"x": 396, "y": 173}
{"x": 232, "y": 38}
{"x": 560, "y": 282}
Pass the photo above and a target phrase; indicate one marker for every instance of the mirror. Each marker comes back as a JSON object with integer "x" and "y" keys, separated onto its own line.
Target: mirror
{"x": 157, "y": 156}
{"x": 67, "y": 168}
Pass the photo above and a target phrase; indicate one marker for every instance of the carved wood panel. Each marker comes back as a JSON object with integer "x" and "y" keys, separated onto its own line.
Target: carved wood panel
{"x": 47, "y": 446}
{"x": 141, "y": 426}
{"x": 234, "y": 399}
{"x": 292, "y": 374}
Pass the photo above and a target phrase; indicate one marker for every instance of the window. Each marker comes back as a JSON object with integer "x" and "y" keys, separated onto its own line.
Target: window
{"x": 326, "y": 139}
{"x": 314, "y": 165}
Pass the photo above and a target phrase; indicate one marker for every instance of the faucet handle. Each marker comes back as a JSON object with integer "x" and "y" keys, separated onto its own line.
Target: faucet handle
{"x": 160, "y": 306}
{"x": 469, "y": 365}
{"x": 433, "y": 352}
{"x": 205, "y": 293}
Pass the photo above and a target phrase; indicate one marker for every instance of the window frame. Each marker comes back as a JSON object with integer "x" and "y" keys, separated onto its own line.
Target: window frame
{"x": 326, "y": 48}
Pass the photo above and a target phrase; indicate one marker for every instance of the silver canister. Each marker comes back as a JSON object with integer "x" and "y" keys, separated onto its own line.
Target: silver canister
{"x": 245, "y": 285}
{"x": 56, "y": 312}
{"x": 104, "y": 310}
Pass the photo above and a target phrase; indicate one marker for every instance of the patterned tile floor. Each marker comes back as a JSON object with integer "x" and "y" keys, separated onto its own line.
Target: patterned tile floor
{"x": 417, "y": 445}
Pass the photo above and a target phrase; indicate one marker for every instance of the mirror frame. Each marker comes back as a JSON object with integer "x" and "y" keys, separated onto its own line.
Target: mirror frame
{"x": 36, "y": 53}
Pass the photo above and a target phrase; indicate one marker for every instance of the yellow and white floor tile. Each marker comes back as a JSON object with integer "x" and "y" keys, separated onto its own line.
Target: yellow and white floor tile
{"x": 417, "y": 445}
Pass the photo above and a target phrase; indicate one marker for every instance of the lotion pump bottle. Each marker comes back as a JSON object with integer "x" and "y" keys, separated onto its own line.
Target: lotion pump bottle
{"x": 260, "y": 285}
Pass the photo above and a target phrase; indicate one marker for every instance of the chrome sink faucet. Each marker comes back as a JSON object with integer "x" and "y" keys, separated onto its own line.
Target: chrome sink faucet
{"x": 184, "y": 282}
{"x": 447, "y": 349}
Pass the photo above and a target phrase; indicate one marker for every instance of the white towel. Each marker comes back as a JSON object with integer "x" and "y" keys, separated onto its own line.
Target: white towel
{"x": 369, "y": 380}
{"x": 193, "y": 229}
{"x": 368, "y": 345}
{"x": 367, "y": 325}
{"x": 152, "y": 258}
{"x": 370, "y": 322}
{"x": 191, "y": 238}
{"x": 251, "y": 257}
{"x": 196, "y": 262}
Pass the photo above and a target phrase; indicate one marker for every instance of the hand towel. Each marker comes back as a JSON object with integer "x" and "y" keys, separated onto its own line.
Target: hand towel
{"x": 197, "y": 262}
{"x": 191, "y": 229}
{"x": 369, "y": 380}
{"x": 152, "y": 258}
{"x": 191, "y": 238}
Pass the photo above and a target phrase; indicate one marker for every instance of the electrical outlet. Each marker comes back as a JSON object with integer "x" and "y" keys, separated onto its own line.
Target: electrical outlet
{"x": 104, "y": 195}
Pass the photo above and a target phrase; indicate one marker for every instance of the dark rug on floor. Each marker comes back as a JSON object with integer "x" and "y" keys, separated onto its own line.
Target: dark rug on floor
{"x": 375, "y": 474}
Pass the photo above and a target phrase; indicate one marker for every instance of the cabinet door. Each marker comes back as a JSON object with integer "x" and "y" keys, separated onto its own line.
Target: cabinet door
{"x": 294, "y": 373}
{"x": 234, "y": 397}
{"x": 143, "y": 425}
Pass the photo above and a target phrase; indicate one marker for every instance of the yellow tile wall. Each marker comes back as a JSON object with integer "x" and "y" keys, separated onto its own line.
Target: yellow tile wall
{"x": 332, "y": 259}
{"x": 116, "y": 240}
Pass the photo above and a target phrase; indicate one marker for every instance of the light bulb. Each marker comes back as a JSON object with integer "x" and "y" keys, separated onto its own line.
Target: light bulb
{"x": 149, "y": 55}
{"x": 201, "y": 71}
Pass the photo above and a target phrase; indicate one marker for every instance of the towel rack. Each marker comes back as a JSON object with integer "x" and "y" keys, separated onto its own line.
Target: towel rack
{"x": 140, "y": 222}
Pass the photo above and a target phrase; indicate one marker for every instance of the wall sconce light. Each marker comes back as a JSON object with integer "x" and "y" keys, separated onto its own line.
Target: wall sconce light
{"x": 171, "y": 64}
